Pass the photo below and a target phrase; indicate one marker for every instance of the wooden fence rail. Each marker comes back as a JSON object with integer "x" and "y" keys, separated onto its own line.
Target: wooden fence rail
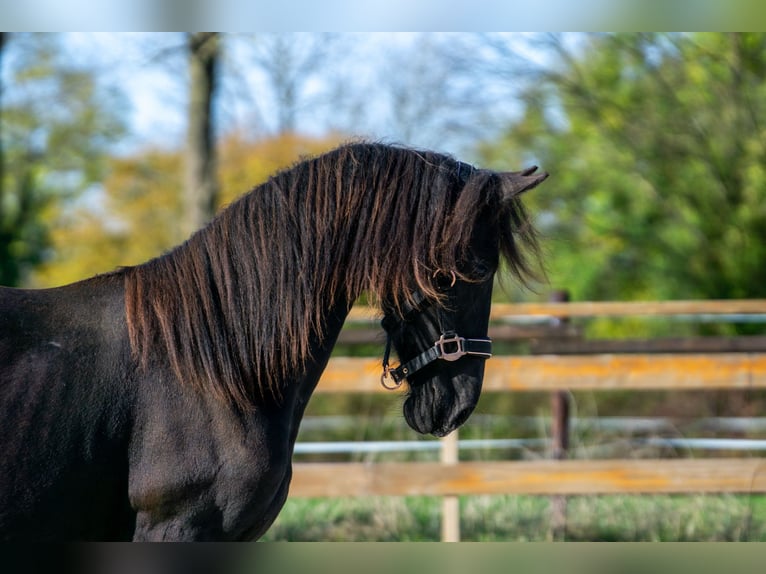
{"x": 626, "y": 308}
{"x": 579, "y": 372}
{"x": 609, "y": 309}
{"x": 545, "y": 477}
{"x": 697, "y": 363}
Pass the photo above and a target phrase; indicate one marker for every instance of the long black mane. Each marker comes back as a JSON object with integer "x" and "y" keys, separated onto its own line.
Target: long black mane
{"x": 235, "y": 307}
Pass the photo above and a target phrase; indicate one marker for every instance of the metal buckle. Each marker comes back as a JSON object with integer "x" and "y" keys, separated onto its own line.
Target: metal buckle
{"x": 385, "y": 377}
{"x": 450, "y": 339}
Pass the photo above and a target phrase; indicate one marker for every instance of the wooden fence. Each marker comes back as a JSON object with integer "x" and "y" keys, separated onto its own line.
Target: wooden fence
{"x": 695, "y": 363}
{"x": 579, "y": 372}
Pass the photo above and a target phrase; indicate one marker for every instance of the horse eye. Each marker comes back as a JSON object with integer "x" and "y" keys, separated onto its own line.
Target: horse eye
{"x": 482, "y": 270}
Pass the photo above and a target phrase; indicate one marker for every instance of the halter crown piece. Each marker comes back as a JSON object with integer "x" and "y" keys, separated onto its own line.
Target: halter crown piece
{"x": 449, "y": 347}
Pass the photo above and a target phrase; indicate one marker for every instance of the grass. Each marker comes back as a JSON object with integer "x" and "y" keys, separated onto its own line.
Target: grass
{"x": 525, "y": 518}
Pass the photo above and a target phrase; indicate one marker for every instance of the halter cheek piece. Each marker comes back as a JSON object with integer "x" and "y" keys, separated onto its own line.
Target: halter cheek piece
{"x": 449, "y": 347}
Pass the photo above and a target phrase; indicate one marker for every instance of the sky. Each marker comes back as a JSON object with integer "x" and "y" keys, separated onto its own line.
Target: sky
{"x": 155, "y": 111}
{"x": 151, "y": 90}
{"x": 150, "y": 69}
{"x": 127, "y": 61}
{"x": 382, "y": 15}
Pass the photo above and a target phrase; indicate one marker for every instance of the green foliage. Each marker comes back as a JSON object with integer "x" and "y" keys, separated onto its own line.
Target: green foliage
{"x": 56, "y": 126}
{"x": 137, "y": 217}
{"x": 139, "y": 210}
{"x": 656, "y": 148}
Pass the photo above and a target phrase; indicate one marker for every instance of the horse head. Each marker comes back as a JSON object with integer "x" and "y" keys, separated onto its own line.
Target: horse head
{"x": 441, "y": 338}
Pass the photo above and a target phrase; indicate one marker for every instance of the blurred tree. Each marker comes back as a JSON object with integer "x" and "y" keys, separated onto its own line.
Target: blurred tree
{"x": 144, "y": 192}
{"x": 291, "y": 64}
{"x": 422, "y": 84}
{"x": 132, "y": 221}
{"x": 657, "y": 150}
{"x": 3, "y": 240}
{"x": 246, "y": 163}
{"x": 201, "y": 198}
{"x": 57, "y": 124}
{"x": 437, "y": 92}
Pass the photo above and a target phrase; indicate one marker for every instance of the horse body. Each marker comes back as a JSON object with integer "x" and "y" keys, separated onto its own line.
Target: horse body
{"x": 65, "y": 400}
{"x": 162, "y": 401}
{"x": 104, "y": 450}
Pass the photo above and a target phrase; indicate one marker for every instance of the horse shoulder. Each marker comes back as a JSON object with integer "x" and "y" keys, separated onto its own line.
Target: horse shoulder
{"x": 199, "y": 471}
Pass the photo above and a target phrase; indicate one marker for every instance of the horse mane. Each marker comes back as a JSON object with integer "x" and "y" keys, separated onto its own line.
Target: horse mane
{"x": 235, "y": 307}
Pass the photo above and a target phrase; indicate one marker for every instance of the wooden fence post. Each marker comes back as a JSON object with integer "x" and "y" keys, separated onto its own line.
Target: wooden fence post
{"x": 560, "y": 438}
{"x": 450, "y": 504}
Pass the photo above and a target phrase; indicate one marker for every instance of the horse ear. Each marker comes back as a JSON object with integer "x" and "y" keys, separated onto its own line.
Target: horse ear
{"x": 514, "y": 183}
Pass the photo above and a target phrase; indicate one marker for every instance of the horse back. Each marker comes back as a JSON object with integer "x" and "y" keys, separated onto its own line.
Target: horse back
{"x": 63, "y": 385}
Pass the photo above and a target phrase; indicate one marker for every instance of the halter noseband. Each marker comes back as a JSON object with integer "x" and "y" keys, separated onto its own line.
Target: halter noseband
{"x": 449, "y": 347}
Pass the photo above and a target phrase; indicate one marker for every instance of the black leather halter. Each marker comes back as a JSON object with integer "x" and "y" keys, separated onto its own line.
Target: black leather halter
{"x": 449, "y": 347}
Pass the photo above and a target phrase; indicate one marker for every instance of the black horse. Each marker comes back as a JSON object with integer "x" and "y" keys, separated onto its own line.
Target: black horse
{"x": 162, "y": 401}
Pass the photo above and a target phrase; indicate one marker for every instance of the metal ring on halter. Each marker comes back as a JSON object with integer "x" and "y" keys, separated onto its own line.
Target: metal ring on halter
{"x": 385, "y": 376}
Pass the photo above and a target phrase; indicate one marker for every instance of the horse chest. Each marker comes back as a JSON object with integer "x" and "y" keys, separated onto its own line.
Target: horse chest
{"x": 201, "y": 476}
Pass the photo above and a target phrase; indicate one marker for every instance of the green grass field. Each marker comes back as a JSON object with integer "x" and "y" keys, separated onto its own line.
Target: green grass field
{"x": 526, "y": 518}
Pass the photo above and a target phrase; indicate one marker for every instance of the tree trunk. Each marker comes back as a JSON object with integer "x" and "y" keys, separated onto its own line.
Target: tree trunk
{"x": 201, "y": 197}
{"x": 5, "y": 237}
{"x": 2, "y": 156}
